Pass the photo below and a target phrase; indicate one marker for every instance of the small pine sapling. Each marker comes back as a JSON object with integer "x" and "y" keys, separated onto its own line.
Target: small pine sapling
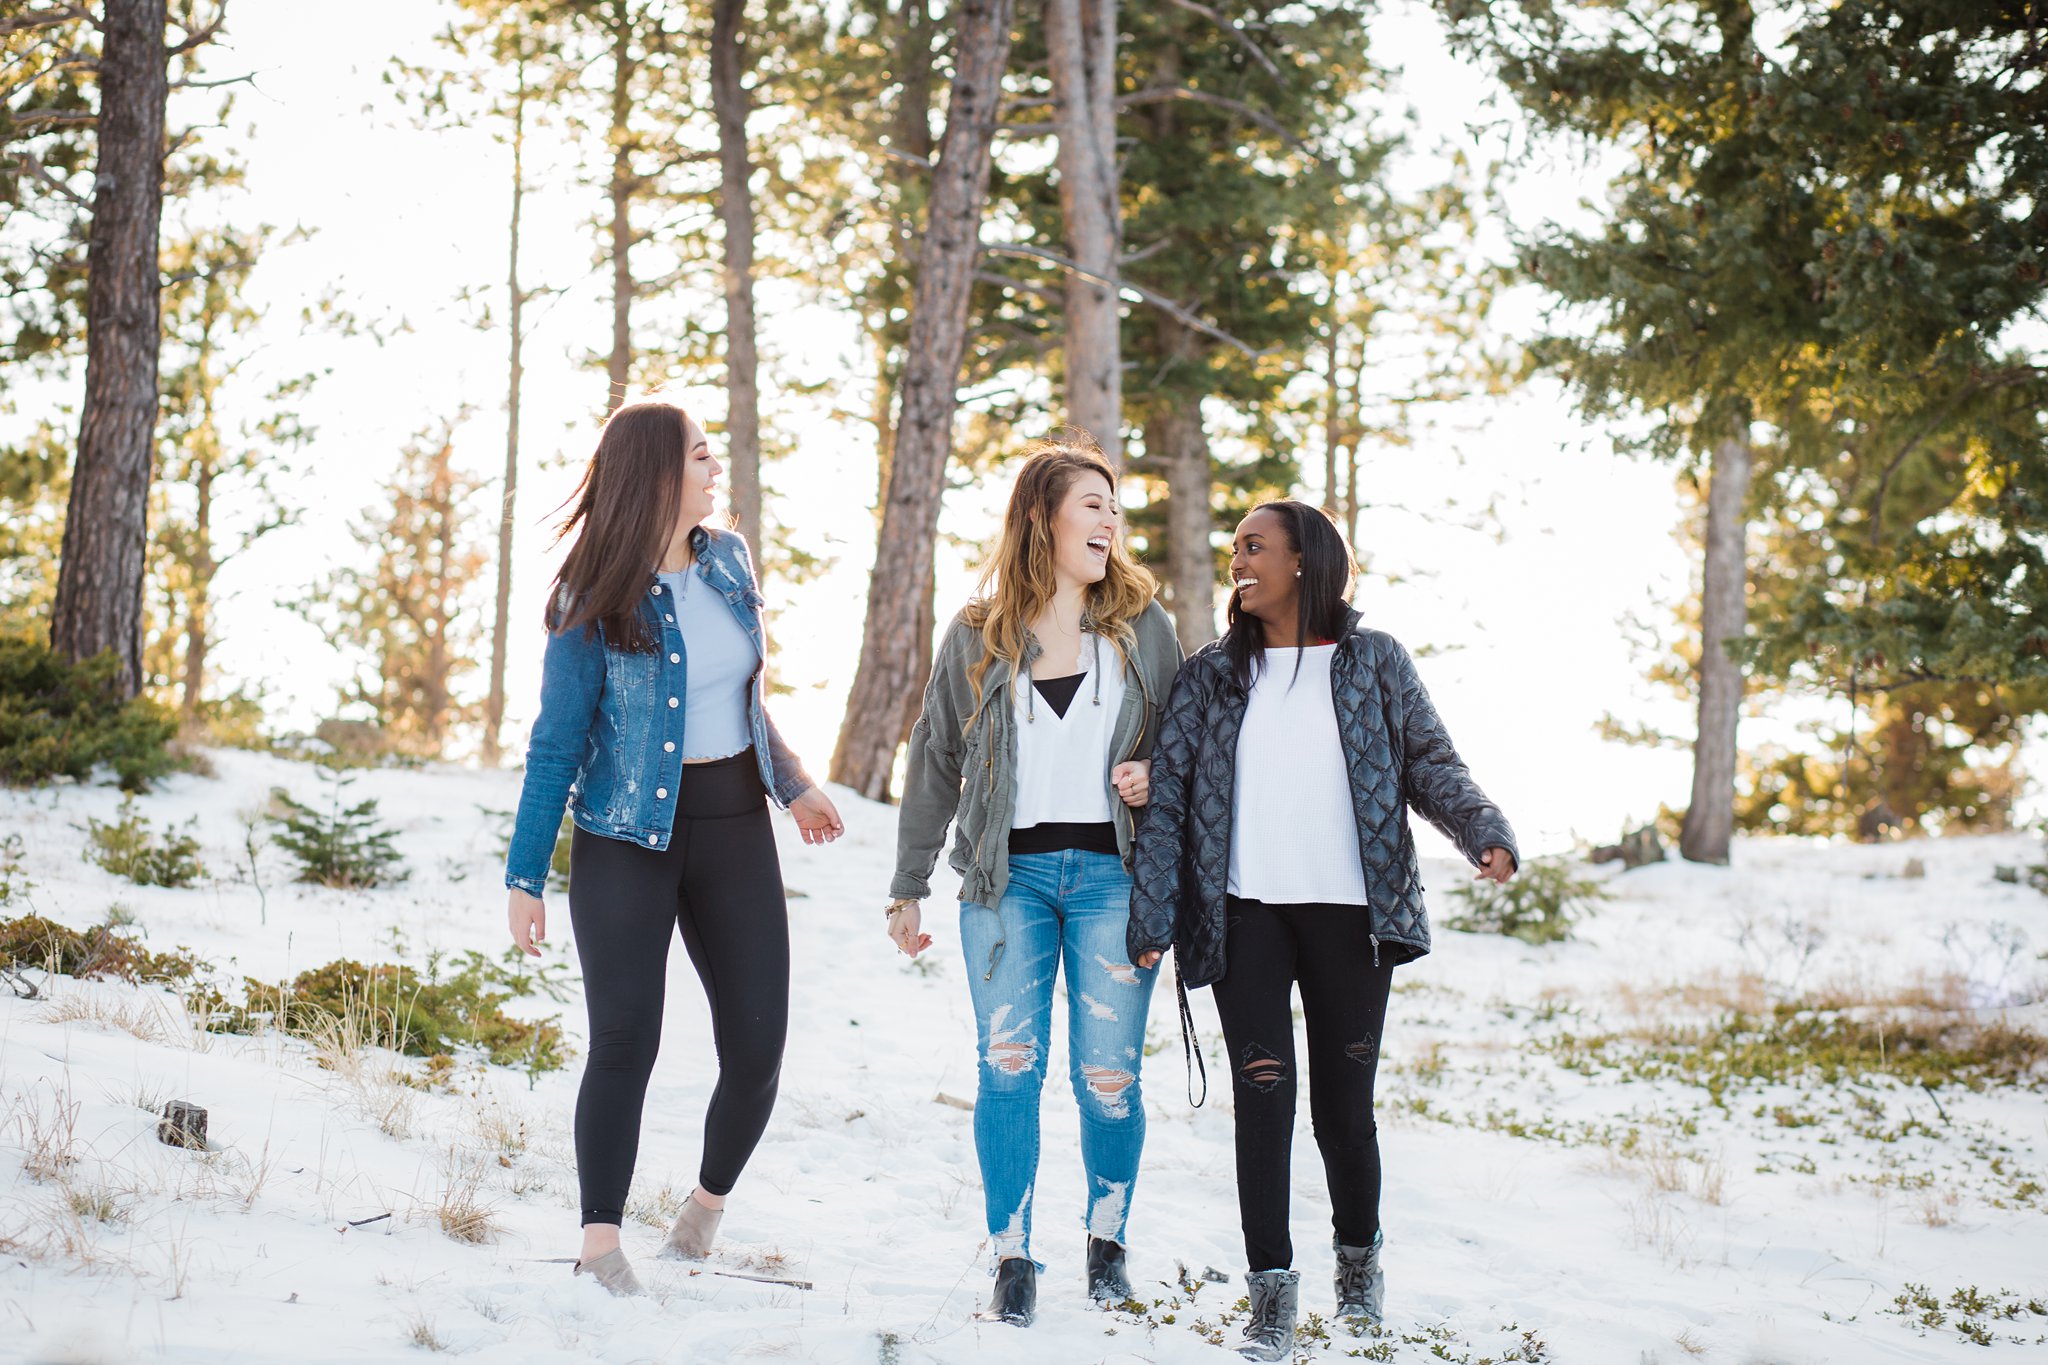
{"x": 130, "y": 848}
{"x": 343, "y": 847}
{"x": 1539, "y": 906}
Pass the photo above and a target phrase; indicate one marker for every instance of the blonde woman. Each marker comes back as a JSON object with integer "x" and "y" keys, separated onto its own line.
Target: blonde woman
{"x": 1035, "y": 740}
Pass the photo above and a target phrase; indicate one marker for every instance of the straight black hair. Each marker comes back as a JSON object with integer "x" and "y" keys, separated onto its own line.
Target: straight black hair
{"x": 1326, "y": 573}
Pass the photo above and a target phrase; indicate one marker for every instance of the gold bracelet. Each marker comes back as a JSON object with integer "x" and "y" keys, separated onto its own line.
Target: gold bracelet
{"x": 899, "y": 904}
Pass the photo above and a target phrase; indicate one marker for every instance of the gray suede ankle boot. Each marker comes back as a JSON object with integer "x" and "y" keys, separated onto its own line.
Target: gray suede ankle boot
{"x": 1361, "y": 1284}
{"x": 1276, "y": 1297}
{"x": 614, "y": 1272}
{"x": 695, "y": 1228}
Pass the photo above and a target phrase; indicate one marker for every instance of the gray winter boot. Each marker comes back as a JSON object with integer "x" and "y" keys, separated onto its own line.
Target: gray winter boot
{"x": 1361, "y": 1284}
{"x": 1276, "y": 1296}
{"x": 695, "y": 1228}
{"x": 614, "y": 1272}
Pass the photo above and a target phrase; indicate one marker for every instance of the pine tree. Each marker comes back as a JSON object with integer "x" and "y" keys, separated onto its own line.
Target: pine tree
{"x": 886, "y": 684}
{"x": 409, "y": 612}
{"x": 218, "y": 492}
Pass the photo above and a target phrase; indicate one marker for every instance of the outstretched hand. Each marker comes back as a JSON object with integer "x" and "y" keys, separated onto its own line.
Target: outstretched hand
{"x": 1497, "y": 864}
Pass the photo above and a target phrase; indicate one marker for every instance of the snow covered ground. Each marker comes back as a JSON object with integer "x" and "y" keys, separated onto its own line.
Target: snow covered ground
{"x": 1564, "y": 1181}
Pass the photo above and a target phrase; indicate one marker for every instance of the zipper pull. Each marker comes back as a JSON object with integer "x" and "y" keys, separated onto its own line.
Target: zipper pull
{"x": 1375, "y": 948}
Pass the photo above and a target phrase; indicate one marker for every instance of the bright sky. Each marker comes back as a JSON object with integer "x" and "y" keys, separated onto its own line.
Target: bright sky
{"x": 1528, "y": 651}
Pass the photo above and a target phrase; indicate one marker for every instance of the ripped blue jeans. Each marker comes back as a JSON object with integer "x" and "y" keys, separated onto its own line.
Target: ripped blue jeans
{"x": 1073, "y": 905}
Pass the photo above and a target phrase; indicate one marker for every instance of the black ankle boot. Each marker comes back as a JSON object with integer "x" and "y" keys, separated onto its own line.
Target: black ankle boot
{"x": 1015, "y": 1297}
{"x": 1107, "y": 1282}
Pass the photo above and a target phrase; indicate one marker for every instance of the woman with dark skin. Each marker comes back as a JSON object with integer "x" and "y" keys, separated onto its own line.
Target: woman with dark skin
{"x": 1277, "y": 854}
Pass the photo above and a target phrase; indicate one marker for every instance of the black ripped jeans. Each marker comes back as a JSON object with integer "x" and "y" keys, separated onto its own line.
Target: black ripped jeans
{"x": 719, "y": 884}
{"x": 1326, "y": 950}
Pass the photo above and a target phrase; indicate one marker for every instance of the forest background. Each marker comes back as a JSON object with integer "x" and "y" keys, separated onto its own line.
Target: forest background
{"x": 1607, "y": 329}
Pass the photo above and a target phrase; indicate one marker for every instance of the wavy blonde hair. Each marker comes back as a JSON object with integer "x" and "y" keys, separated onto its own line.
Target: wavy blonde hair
{"x": 1019, "y": 579}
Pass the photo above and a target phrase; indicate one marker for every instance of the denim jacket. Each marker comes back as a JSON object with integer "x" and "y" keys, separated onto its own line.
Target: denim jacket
{"x": 608, "y": 740}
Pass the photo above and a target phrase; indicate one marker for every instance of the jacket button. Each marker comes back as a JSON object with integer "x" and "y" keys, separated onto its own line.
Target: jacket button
{"x": 669, "y": 747}
{"x": 661, "y": 793}
{"x": 675, "y": 658}
{"x": 656, "y": 589}
{"x": 653, "y": 839}
{"x": 669, "y": 617}
{"x": 672, "y": 703}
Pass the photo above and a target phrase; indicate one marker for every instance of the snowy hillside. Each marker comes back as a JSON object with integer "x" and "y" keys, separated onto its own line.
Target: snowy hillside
{"x": 1586, "y": 1160}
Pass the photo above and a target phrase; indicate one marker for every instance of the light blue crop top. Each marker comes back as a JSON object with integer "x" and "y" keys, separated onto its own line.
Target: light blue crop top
{"x": 718, "y": 666}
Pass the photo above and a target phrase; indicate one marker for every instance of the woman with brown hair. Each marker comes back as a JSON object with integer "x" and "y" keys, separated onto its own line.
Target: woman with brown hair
{"x": 1035, "y": 738}
{"x": 651, "y": 719}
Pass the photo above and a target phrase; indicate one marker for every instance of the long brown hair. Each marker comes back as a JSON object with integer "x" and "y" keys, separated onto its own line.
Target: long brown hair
{"x": 1019, "y": 579}
{"x": 626, "y": 506}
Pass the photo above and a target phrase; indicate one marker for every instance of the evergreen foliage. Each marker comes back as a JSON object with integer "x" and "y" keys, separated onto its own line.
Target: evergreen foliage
{"x": 1539, "y": 906}
{"x": 399, "y": 1008}
{"x": 130, "y": 847}
{"x": 408, "y": 610}
{"x": 343, "y": 846}
{"x": 62, "y": 719}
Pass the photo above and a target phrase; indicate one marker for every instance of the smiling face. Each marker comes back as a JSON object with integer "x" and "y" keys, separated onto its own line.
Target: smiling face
{"x": 1265, "y": 571}
{"x": 1083, "y": 529}
{"x": 700, "y": 479}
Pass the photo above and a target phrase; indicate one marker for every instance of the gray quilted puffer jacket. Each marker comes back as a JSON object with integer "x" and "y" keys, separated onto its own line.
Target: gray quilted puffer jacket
{"x": 1397, "y": 753}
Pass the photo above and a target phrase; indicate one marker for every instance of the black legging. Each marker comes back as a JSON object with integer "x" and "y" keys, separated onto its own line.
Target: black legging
{"x": 1344, "y": 1000}
{"x": 720, "y": 883}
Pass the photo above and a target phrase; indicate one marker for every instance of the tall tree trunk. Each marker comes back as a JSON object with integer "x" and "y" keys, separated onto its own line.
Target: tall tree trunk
{"x": 886, "y": 688}
{"x": 1710, "y": 819}
{"x": 501, "y": 619}
{"x": 1178, "y": 447}
{"x": 1333, "y": 428}
{"x": 199, "y": 600}
{"x": 623, "y": 187}
{"x": 1081, "y": 41}
{"x": 106, "y": 524}
{"x": 736, "y": 214}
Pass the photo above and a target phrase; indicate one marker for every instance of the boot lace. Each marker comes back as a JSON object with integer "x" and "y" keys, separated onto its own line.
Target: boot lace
{"x": 1265, "y": 1319}
{"x": 1354, "y": 1275}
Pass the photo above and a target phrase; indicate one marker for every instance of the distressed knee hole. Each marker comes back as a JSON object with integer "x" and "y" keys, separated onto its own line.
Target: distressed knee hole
{"x": 1123, "y": 973}
{"x": 1365, "y": 1051}
{"x": 1096, "y": 1009}
{"x": 1260, "y": 1069}
{"x": 1109, "y": 1086}
{"x": 1012, "y": 1059}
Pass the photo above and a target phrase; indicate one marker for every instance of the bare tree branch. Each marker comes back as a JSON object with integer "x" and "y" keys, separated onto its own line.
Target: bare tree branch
{"x": 1156, "y": 95}
{"x": 1163, "y": 304}
{"x": 55, "y": 118}
{"x": 248, "y": 79}
{"x": 1225, "y": 23}
{"x": 31, "y": 163}
{"x": 44, "y": 18}
{"x": 198, "y": 37}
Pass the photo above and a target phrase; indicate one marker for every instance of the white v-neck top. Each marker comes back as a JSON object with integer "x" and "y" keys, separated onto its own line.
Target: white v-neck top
{"x": 1293, "y": 831}
{"x": 1063, "y": 761}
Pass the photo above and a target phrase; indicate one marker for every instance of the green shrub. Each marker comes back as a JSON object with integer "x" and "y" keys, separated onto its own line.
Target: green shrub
{"x": 420, "y": 1016}
{"x": 59, "y": 718}
{"x": 343, "y": 847}
{"x": 1539, "y": 906}
{"x": 34, "y": 942}
{"x": 131, "y": 848}
{"x": 423, "y": 1016}
{"x": 13, "y": 882}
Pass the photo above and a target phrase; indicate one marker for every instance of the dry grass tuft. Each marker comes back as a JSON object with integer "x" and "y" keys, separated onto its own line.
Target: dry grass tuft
{"x": 461, "y": 1212}
{"x": 144, "y": 1018}
{"x": 46, "y": 1130}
